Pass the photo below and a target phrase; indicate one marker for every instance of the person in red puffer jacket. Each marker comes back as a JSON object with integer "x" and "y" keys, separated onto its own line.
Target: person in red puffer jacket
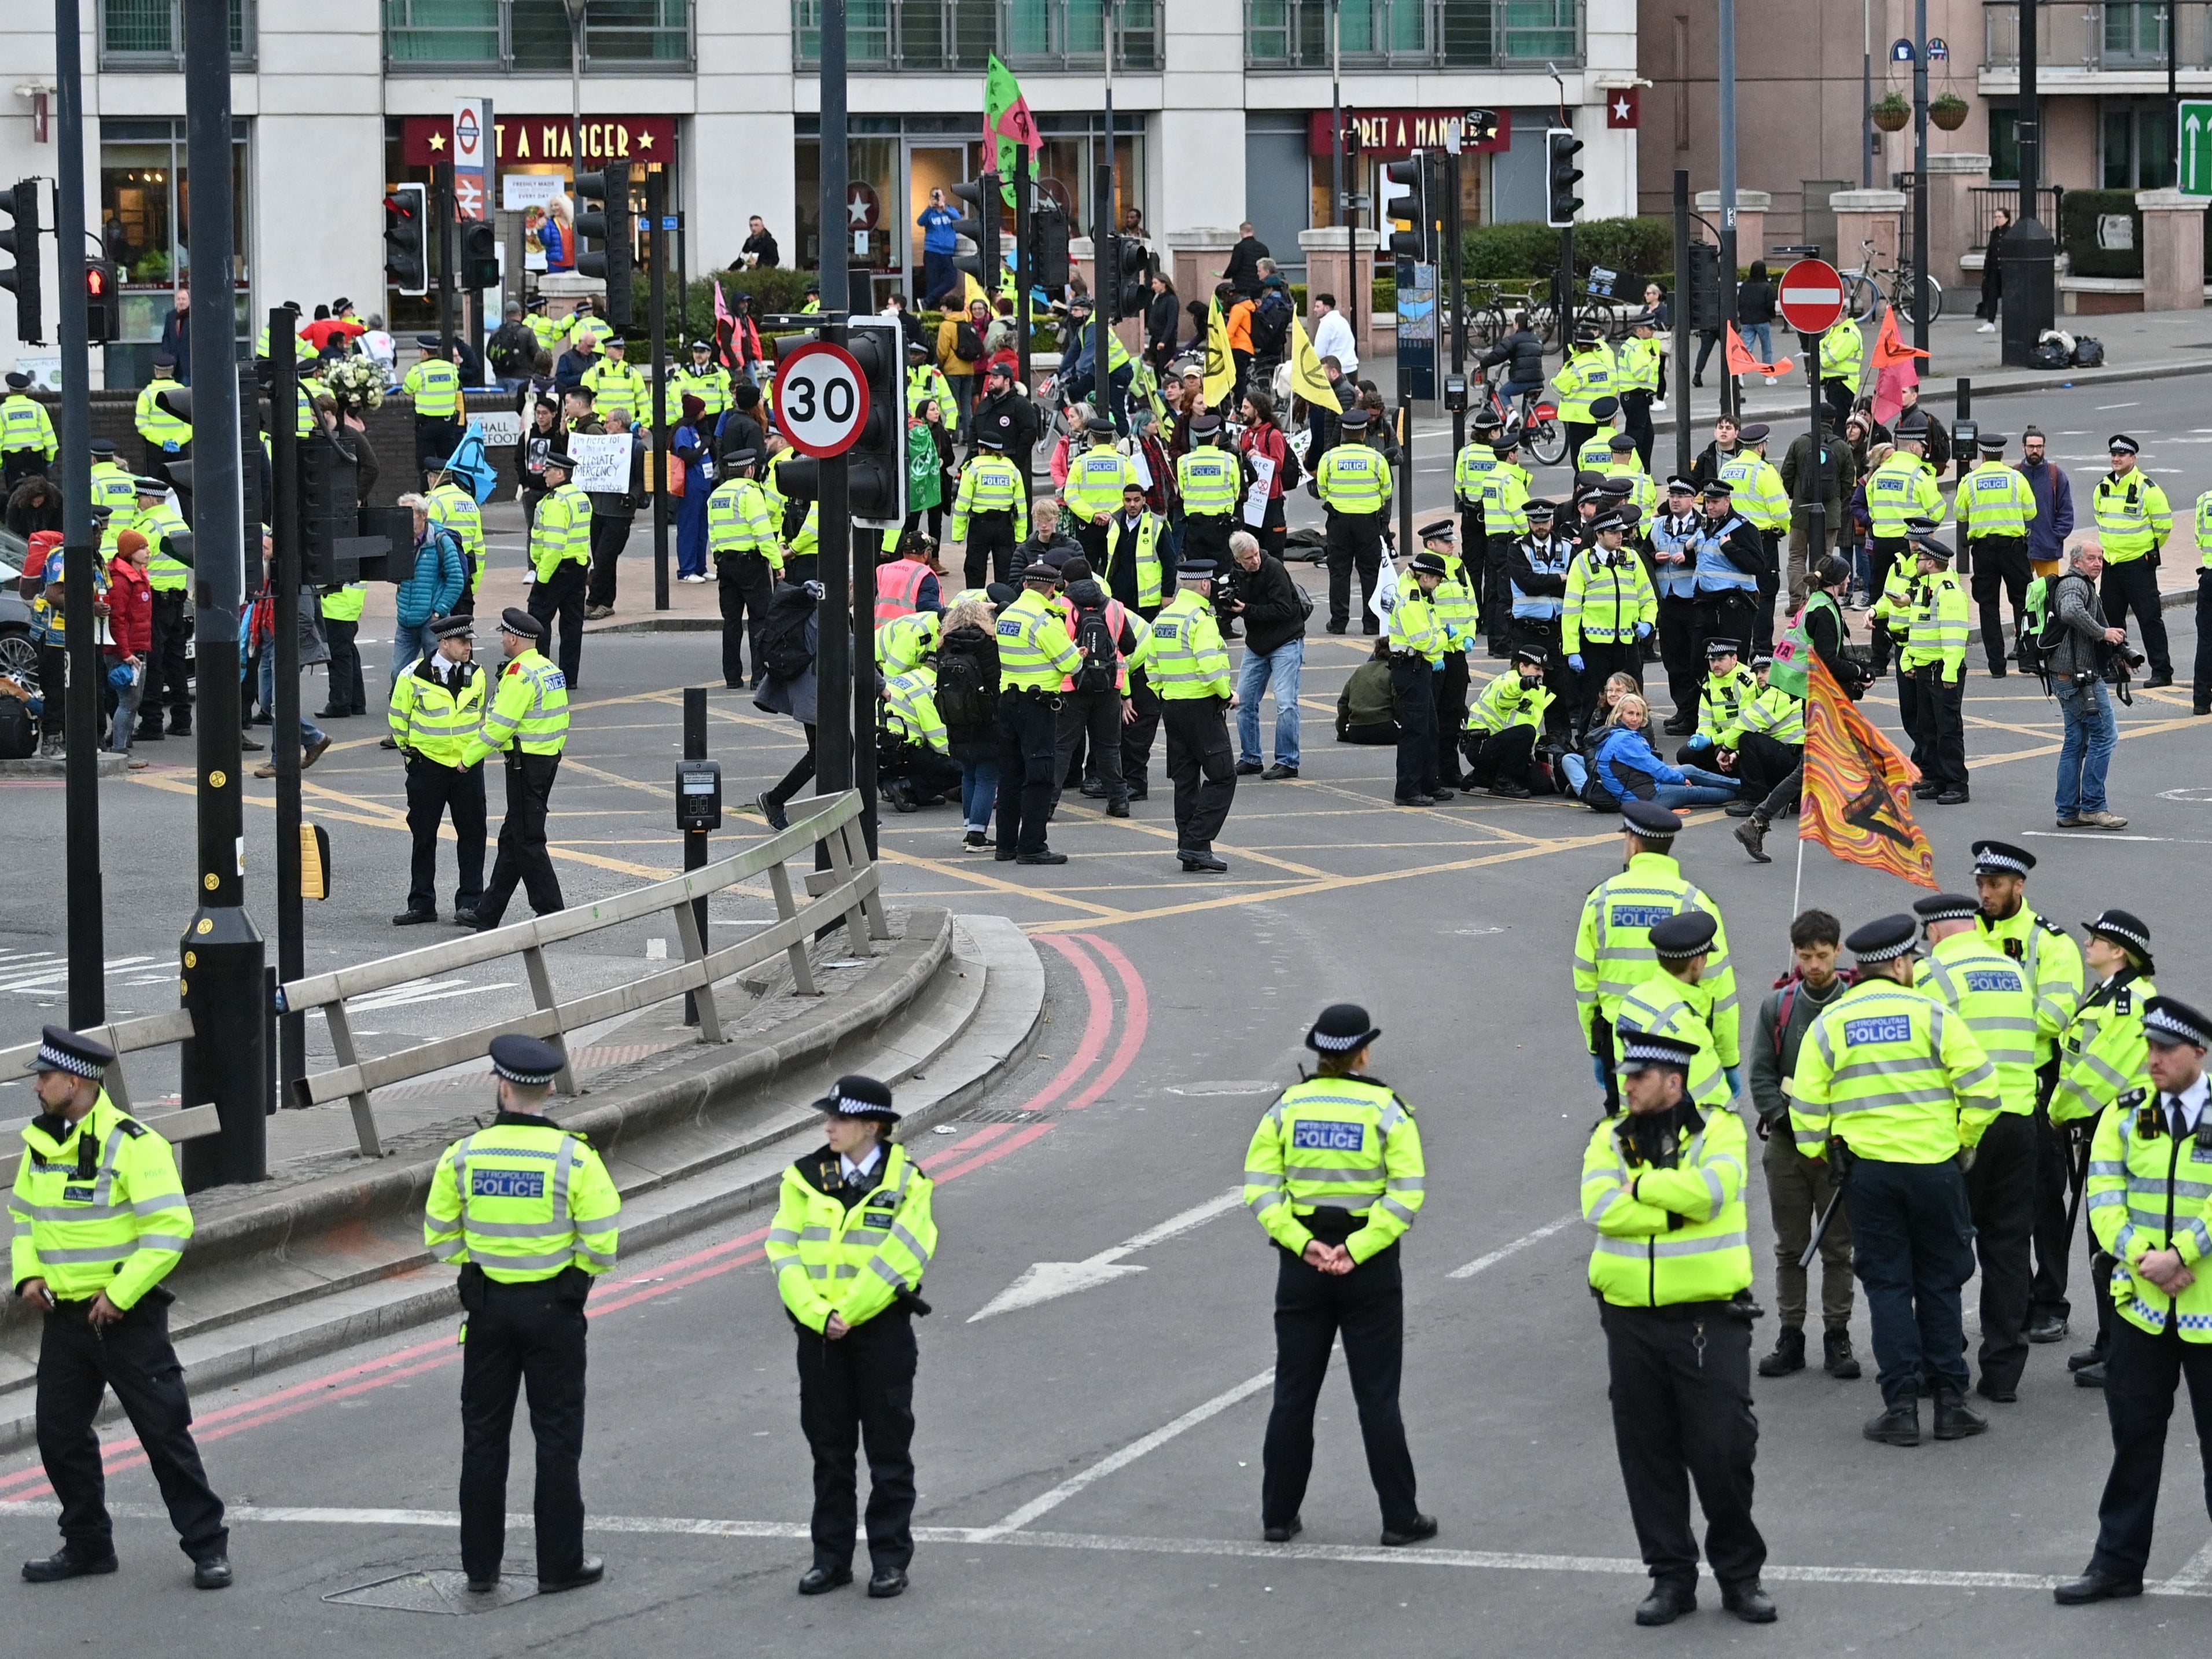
{"x": 130, "y": 631}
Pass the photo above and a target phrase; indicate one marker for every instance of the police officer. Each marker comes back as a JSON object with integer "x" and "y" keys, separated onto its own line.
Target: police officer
{"x": 1676, "y": 1002}
{"x": 1933, "y": 658}
{"x": 1642, "y": 380}
{"x": 1994, "y": 507}
{"x": 2133, "y": 521}
{"x": 1674, "y": 576}
{"x": 437, "y": 705}
{"x": 2053, "y": 964}
{"x": 1899, "y": 491}
{"x": 434, "y": 384}
{"x": 1730, "y": 553}
{"x": 1187, "y": 666}
{"x": 1992, "y": 994}
{"x": 1208, "y": 477}
{"x": 705, "y": 379}
{"x": 165, "y": 437}
{"x": 1729, "y": 688}
{"x": 168, "y": 672}
{"x": 100, "y": 1219}
{"x": 1471, "y": 472}
{"x": 853, "y": 1237}
{"x": 1502, "y": 725}
{"x": 1504, "y": 522}
{"x": 614, "y": 384}
{"x": 1613, "y": 942}
{"x": 1035, "y": 657}
{"x": 990, "y": 511}
{"x": 528, "y": 721}
{"x": 1843, "y": 356}
{"x": 27, "y": 444}
{"x": 2102, "y": 1056}
{"x": 1459, "y": 614}
{"x": 1334, "y": 1174}
{"x": 1417, "y": 646}
{"x": 1761, "y": 499}
{"x": 741, "y": 537}
{"x": 1662, "y": 1185}
{"x": 1609, "y": 613}
{"x": 1898, "y": 1076}
{"x": 527, "y": 1210}
{"x": 452, "y": 505}
{"x": 1536, "y": 588}
{"x": 1353, "y": 484}
{"x": 1096, "y": 479}
{"x": 560, "y": 555}
{"x": 1586, "y": 375}
{"x": 2151, "y": 1206}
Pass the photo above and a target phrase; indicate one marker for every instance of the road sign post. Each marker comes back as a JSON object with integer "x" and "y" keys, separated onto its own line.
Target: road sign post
{"x": 1811, "y": 302}
{"x": 821, "y": 399}
{"x": 2196, "y": 128}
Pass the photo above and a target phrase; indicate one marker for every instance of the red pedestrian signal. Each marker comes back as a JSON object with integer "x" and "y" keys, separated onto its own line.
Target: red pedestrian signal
{"x": 103, "y": 305}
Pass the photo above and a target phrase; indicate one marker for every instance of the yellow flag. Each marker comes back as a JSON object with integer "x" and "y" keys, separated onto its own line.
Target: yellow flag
{"x": 1220, "y": 366}
{"x": 1307, "y": 379}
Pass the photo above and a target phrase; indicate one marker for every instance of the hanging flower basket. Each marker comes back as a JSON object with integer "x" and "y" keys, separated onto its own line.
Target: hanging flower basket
{"x": 1947, "y": 112}
{"x": 1890, "y": 112}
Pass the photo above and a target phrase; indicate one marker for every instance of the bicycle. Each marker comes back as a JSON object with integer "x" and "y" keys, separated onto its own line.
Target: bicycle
{"x": 1863, "y": 297}
{"x": 1532, "y": 418}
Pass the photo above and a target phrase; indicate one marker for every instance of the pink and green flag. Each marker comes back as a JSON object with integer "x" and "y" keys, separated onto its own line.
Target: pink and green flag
{"x": 1007, "y": 121}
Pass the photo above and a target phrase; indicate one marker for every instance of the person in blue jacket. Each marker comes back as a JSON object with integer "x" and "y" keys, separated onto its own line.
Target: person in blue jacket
{"x": 939, "y": 243}
{"x": 1628, "y": 766}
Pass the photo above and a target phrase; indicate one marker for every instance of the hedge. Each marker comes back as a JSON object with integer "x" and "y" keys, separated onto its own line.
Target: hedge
{"x": 2078, "y": 213}
{"x": 1522, "y": 250}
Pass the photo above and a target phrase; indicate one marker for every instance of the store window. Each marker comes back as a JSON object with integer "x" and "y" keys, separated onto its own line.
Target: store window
{"x": 2138, "y": 145}
{"x": 144, "y": 200}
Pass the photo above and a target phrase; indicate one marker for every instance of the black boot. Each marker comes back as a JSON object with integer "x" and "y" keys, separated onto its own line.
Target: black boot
{"x": 1954, "y": 1418}
{"x": 1900, "y": 1426}
{"x": 1837, "y": 1357}
{"x": 1788, "y": 1354}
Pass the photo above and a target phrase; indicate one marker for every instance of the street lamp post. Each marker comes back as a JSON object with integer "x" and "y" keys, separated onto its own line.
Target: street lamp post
{"x": 576, "y": 83}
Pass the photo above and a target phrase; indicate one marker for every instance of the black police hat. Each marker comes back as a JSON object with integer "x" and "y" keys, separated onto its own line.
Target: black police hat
{"x": 1603, "y": 408}
{"x": 1198, "y": 570}
{"x": 2168, "y": 1021}
{"x": 1756, "y": 433}
{"x": 1621, "y": 519}
{"x": 1718, "y": 487}
{"x": 1528, "y": 654}
{"x": 855, "y": 1096}
{"x": 447, "y": 627}
{"x": 17, "y": 381}
{"x": 103, "y": 445}
{"x": 1437, "y": 530}
{"x": 1992, "y": 443}
{"x": 1620, "y": 443}
{"x": 1426, "y": 563}
{"x": 149, "y": 486}
{"x": 1680, "y": 937}
{"x": 1680, "y": 487}
{"x": 992, "y": 442}
{"x": 1884, "y": 940}
{"x": 427, "y": 341}
{"x": 1537, "y": 507}
{"x": 2126, "y": 931}
{"x": 525, "y": 1060}
{"x": 560, "y": 458}
{"x": 742, "y": 458}
{"x": 1040, "y": 572}
{"x": 1354, "y": 420}
{"x": 1205, "y": 426}
{"x": 163, "y": 360}
{"x": 1999, "y": 857}
{"x": 520, "y": 623}
{"x": 1946, "y": 907}
{"x": 1342, "y": 1028}
{"x": 1927, "y": 547}
{"x": 1504, "y": 445}
{"x": 1720, "y": 647}
{"x": 2120, "y": 444}
{"x": 61, "y": 1050}
{"x": 1648, "y": 822}
{"x": 1641, "y": 1051}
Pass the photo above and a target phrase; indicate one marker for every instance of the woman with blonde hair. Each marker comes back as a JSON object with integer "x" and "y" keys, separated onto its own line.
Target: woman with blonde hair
{"x": 1627, "y": 764}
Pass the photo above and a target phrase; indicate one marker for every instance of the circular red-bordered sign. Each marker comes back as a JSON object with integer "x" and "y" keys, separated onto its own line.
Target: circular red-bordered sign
{"x": 821, "y": 399}
{"x": 1811, "y": 299}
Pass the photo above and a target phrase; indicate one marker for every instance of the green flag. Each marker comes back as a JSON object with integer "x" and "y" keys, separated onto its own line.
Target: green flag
{"x": 1007, "y": 122}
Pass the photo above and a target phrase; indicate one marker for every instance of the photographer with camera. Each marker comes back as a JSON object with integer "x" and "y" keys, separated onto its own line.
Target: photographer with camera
{"x": 2085, "y": 653}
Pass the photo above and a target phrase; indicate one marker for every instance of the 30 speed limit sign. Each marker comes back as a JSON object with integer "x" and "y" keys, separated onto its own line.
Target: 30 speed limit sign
{"x": 821, "y": 399}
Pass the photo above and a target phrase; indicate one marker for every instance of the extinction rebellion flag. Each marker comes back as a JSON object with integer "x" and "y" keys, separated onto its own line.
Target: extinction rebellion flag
{"x": 1008, "y": 122}
{"x": 1858, "y": 789}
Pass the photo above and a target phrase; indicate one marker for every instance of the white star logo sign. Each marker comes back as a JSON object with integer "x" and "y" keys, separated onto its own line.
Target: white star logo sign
{"x": 1620, "y": 107}
{"x": 856, "y": 209}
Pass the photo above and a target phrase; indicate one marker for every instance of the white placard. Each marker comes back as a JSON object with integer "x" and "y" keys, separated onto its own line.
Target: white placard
{"x": 602, "y": 460}
{"x": 518, "y": 190}
{"x": 1263, "y": 480}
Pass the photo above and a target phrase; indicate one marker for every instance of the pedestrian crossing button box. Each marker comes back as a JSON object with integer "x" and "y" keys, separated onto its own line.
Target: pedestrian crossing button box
{"x": 698, "y": 794}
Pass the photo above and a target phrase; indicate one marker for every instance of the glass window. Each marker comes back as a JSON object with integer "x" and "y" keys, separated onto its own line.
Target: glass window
{"x": 2005, "y": 145}
{"x": 144, "y": 201}
{"x": 531, "y": 36}
{"x": 149, "y": 34}
{"x": 1540, "y": 29}
{"x": 442, "y": 31}
{"x": 2138, "y": 146}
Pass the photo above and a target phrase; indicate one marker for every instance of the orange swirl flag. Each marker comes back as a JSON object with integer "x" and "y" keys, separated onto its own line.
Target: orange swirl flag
{"x": 1858, "y": 789}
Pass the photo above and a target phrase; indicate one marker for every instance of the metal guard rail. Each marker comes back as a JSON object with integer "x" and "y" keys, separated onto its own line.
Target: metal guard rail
{"x": 127, "y": 1036}
{"x": 850, "y": 886}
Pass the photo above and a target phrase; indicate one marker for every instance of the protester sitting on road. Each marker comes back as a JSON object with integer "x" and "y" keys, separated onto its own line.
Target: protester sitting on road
{"x": 1367, "y": 707}
{"x": 1627, "y": 765}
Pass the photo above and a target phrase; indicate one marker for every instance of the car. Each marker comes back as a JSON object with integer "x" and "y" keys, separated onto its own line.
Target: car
{"x": 19, "y": 650}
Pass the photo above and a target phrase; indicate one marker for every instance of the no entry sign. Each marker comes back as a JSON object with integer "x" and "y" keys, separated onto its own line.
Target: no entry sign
{"x": 1812, "y": 299}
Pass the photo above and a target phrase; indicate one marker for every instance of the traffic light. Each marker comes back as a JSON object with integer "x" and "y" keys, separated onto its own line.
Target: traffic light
{"x": 1128, "y": 272}
{"x": 1047, "y": 265}
{"x": 1560, "y": 172}
{"x": 103, "y": 305}
{"x": 609, "y": 226}
{"x": 876, "y": 477}
{"x": 979, "y": 201}
{"x": 1703, "y": 286}
{"x": 21, "y": 238}
{"x": 406, "y": 224}
{"x": 1409, "y": 208}
{"x": 479, "y": 255}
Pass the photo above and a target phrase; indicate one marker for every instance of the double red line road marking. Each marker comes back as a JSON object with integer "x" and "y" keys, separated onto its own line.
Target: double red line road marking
{"x": 1080, "y": 1082}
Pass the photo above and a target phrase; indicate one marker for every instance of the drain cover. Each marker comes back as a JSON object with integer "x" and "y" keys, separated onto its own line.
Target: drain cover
{"x": 434, "y": 1592}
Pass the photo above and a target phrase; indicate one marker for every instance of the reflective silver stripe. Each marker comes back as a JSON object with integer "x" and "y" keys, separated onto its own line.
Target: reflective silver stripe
{"x": 1397, "y": 1209}
{"x": 883, "y": 1270}
{"x": 899, "y": 1232}
{"x": 815, "y": 1233}
{"x": 2181, "y": 1189}
{"x": 1859, "y": 1068}
{"x": 583, "y": 1253}
{"x": 2091, "y": 1063}
{"x": 445, "y": 1249}
{"x": 1406, "y": 1183}
{"x": 597, "y": 1224}
{"x": 158, "y": 1206}
{"x": 461, "y": 1176}
{"x": 1674, "y": 1246}
{"x": 160, "y": 1241}
{"x": 1896, "y": 1097}
{"x": 1598, "y": 1209}
{"x": 2098, "y": 1167}
{"x": 563, "y": 1163}
{"x": 2106, "y": 1200}
{"x": 1807, "y": 1137}
{"x": 1713, "y": 1187}
{"x": 77, "y": 1212}
{"x": 782, "y": 1236}
{"x": 489, "y": 1259}
{"x": 516, "y": 1229}
{"x": 1267, "y": 1200}
{"x": 832, "y": 1270}
{"x": 1340, "y": 1175}
{"x": 1262, "y": 1177}
{"x": 1999, "y": 1023}
{"x": 105, "y": 1253}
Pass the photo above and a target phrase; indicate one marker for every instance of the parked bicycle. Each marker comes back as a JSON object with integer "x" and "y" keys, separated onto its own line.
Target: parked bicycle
{"x": 1867, "y": 287}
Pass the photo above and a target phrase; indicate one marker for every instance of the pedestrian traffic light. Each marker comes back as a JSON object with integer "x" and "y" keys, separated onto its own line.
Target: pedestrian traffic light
{"x": 612, "y": 226}
{"x": 1128, "y": 273}
{"x": 1409, "y": 208}
{"x": 876, "y": 474}
{"x": 979, "y": 201}
{"x": 479, "y": 255}
{"x": 406, "y": 224}
{"x": 1703, "y": 286}
{"x": 21, "y": 238}
{"x": 103, "y": 305}
{"x": 1047, "y": 265}
{"x": 1560, "y": 173}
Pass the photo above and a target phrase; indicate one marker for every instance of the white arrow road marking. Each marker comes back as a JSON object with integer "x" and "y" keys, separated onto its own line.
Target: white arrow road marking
{"x": 1047, "y": 1281}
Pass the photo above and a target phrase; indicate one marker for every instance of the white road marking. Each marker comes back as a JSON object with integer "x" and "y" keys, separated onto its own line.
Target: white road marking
{"x": 2101, "y": 408}
{"x": 2198, "y": 1570}
{"x": 1047, "y": 1281}
{"x": 2107, "y": 834}
{"x": 2181, "y": 1584}
{"x": 421, "y": 990}
{"x": 1519, "y": 1244}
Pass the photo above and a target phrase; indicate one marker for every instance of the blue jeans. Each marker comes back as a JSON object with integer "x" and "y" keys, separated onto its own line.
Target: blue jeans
{"x": 1759, "y": 338}
{"x": 1513, "y": 391}
{"x": 409, "y": 643}
{"x": 1279, "y": 669}
{"x": 2091, "y": 732}
{"x": 979, "y": 792}
{"x": 310, "y": 734}
{"x": 1704, "y": 789}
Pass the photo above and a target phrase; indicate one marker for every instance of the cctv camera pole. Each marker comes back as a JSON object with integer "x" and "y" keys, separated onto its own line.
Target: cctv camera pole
{"x": 284, "y": 735}
{"x": 220, "y": 976}
{"x": 87, "y": 993}
{"x": 833, "y": 661}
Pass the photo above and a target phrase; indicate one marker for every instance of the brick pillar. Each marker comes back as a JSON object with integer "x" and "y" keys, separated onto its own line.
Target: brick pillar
{"x": 1328, "y": 271}
{"x": 2173, "y": 250}
{"x": 1951, "y": 214}
{"x": 1195, "y": 260}
{"x": 1864, "y": 216}
{"x": 1751, "y": 209}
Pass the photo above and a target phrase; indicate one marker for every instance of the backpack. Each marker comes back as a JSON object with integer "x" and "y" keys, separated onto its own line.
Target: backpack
{"x": 2041, "y": 632}
{"x": 966, "y": 343}
{"x": 19, "y": 733}
{"x": 1102, "y": 660}
{"x": 1270, "y": 324}
{"x": 966, "y": 701}
{"x": 2089, "y": 352}
{"x": 782, "y": 645}
{"x": 512, "y": 350}
{"x": 1292, "y": 471}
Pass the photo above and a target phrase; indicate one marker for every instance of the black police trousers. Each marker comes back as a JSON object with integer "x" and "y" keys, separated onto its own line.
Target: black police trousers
{"x": 1939, "y": 726}
{"x": 560, "y": 598}
{"x": 522, "y": 857}
{"x": 528, "y": 1334}
{"x": 989, "y": 548}
{"x": 1679, "y": 651}
{"x": 1413, "y": 683}
{"x": 432, "y": 792}
{"x": 1681, "y": 1388}
{"x": 2001, "y": 1197}
{"x": 1354, "y": 539}
{"x": 2055, "y": 1156}
{"x": 1202, "y": 766}
{"x": 1029, "y": 738}
{"x": 746, "y": 586}
{"x": 861, "y": 1387}
{"x": 77, "y": 1366}
{"x": 1451, "y": 716}
{"x": 2143, "y": 1373}
{"x": 2132, "y": 584}
{"x": 1501, "y": 756}
{"x": 1091, "y": 721}
{"x": 2000, "y": 565}
{"x": 1913, "y": 1249}
{"x": 168, "y": 671}
{"x": 1367, "y": 1308}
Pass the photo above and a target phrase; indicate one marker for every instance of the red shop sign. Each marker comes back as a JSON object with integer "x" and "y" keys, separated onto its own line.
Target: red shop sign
{"x": 1400, "y": 131}
{"x": 425, "y": 139}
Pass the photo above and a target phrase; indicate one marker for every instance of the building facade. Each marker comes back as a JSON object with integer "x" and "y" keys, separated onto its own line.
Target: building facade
{"x": 1221, "y": 115}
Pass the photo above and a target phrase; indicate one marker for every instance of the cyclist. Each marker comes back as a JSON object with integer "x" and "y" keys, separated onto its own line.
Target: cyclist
{"x": 1522, "y": 351}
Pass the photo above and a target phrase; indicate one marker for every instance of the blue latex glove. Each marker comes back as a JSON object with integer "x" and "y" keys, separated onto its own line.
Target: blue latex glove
{"x": 1701, "y": 741}
{"x": 1575, "y": 662}
{"x": 1643, "y": 630}
{"x": 1597, "y": 1070}
{"x": 1438, "y": 666}
{"x": 1734, "y": 1076}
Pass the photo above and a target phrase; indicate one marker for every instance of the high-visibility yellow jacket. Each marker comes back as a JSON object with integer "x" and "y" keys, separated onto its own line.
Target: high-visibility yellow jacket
{"x": 1895, "y": 1073}
{"x": 1903, "y": 487}
{"x": 27, "y": 428}
{"x": 1353, "y": 478}
{"x": 1209, "y": 478}
{"x": 740, "y": 520}
{"x": 1773, "y": 713}
{"x": 1613, "y": 944}
{"x": 456, "y": 510}
{"x": 1720, "y": 708}
{"x": 1994, "y": 500}
{"x": 529, "y": 711}
{"x": 2133, "y": 516}
{"x": 1034, "y": 652}
{"x": 1989, "y": 991}
{"x": 991, "y": 484}
{"x": 435, "y": 718}
{"x": 2103, "y": 1054}
{"x": 617, "y": 386}
{"x": 1640, "y": 362}
{"x": 1416, "y": 630}
{"x": 903, "y": 642}
{"x": 1934, "y": 628}
{"x": 1588, "y": 374}
{"x": 1096, "y": 479}
{"x": 1183, "y": 654}
{"x": 96, "y": 1207}
{"x": 435, "y": 388}
{"x": 523, "y": 1200}
{"x": 1682, "y": 1010}
{"x": 1842, "y": 353}
{"x": 1609, "y": 597}
{"x": 1759, "y": 495}
{"x": 2151, "y": 1190}
{"x": 1672, "y": 1231}
{"x": 2054, "y": 967}
{"x": 1508, "y": 702}
{"x": 1344, "y": 1144}
{"x": 155, "y": 424}
{"x": 910, "y": 708}
{"x": 846, "y": 1251}
{"x": 560, "y": 530}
